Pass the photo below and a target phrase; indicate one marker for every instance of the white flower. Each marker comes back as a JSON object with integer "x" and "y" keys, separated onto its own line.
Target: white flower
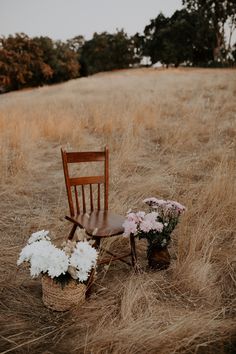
{"x": 82, "y": 275}
{"x": 83, "y": 259}
{"x": 58, "y": 263}
{"x": 44, "y": 257}
{"x": 34, "y": 249}
{"x": 25, "y": 255}
{"x": 39, "y": 235}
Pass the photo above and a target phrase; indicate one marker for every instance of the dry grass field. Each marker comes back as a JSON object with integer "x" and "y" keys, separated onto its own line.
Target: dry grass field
{"x": 171, "y": 134}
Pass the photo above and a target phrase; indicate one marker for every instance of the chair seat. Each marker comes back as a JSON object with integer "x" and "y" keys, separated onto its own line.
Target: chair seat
{"x": 99, "y": 223}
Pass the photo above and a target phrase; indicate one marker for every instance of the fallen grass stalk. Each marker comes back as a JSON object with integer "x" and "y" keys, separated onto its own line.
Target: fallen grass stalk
{"x": 28, "y": 342}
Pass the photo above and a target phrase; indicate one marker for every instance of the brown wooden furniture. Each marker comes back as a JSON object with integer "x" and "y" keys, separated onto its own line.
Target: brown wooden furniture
{"x": 98, "y": 222}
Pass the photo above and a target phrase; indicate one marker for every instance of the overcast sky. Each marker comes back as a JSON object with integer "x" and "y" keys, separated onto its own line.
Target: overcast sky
{"x": 64, "y": 19}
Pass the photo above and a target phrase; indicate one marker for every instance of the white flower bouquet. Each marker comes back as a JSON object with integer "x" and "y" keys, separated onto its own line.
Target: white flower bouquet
{"x": 156, "y": 226}
{"x": 60, "y": 268}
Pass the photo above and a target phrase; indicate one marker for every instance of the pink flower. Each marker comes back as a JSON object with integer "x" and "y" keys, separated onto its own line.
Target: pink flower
{"x": 136, "y": 217}
{"x": 158, "y": 226}
{"x": 130, "y": 227}
{"x": 131, "y": 217}
{"x": 150, "y": 201}
{"x": 146, "y": 226}
{"x": 152, "y": 219}
{"x": 181, "y": 208}
{"x": 150, "y": 223}
{"x": 151, "y": 216}
{"x": 140, "y": 215}
{"x": 164, "y": 204}
{"x": 154, "y": 202}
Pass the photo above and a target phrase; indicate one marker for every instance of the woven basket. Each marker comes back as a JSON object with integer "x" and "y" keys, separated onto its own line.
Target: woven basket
{"x": 58, "y": 299}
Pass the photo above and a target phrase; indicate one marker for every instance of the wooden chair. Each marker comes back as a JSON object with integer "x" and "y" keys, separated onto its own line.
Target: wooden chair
{"x": 98, "y": 222}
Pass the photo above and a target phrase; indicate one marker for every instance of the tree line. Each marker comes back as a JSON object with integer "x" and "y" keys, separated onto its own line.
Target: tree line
{"x": 193, "y": 36}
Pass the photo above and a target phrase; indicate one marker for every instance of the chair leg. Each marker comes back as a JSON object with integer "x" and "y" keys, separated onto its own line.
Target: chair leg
{"x": 72, "y": 232}
{"x": 97, "y": 243}
{"x": 90, "y": 283}
{"x": 133, "y": 251}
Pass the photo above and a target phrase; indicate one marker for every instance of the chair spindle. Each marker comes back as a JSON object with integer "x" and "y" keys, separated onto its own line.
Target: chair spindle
{"x": 76, "y": 200}
{"x": 91, "y": 197}
{"x": 83, "y": 196}
{"x": 99, "y": 205}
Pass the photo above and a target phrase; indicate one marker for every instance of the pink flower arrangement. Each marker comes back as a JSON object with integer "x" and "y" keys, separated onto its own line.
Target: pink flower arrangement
{"x": 156, "y": 225}
{"x": 141, "y": 222}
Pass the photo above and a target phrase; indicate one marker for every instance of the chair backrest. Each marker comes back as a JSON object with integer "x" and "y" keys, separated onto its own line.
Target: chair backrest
{"x": 73, "y": 182}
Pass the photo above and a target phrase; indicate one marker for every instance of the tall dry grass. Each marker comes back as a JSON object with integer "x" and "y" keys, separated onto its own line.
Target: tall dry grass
{"x": 171, "y": 134}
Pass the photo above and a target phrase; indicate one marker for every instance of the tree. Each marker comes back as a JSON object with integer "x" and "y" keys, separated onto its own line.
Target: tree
{"x": 48, "y": 60}
{"x": 138, "y": 47}
{"x": 27, "y": 62}
{"x": 184, "y": 37}
{"x": 21, "y": 62}
{"x": 76, "y": 43}
{"x": 178, "y": 38}
{"x": 203, "y": 40}
{"x": 153, "y": 45}
{"x": 218, "y": 13}
{"x": 234, "y": 53}
{"x": 66, "y": 65}
{"x": 107, "y": 51}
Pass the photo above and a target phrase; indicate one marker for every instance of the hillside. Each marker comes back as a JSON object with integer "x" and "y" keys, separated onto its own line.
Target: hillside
{"x": 171, "y": 134}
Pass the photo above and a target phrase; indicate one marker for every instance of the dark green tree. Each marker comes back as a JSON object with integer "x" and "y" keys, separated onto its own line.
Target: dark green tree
{"x": 138, "y": 47}
{"x": 184, "y": 37}
{"x": 177, "y": 39}
{"x": 95, "y": 53}
{"x": 218, "y": 13}
{"x": 153, "y": 44}
{"x": 107, "y": 51}
{"x": 76, "y": 43}
{"x": 234, "y": 53}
